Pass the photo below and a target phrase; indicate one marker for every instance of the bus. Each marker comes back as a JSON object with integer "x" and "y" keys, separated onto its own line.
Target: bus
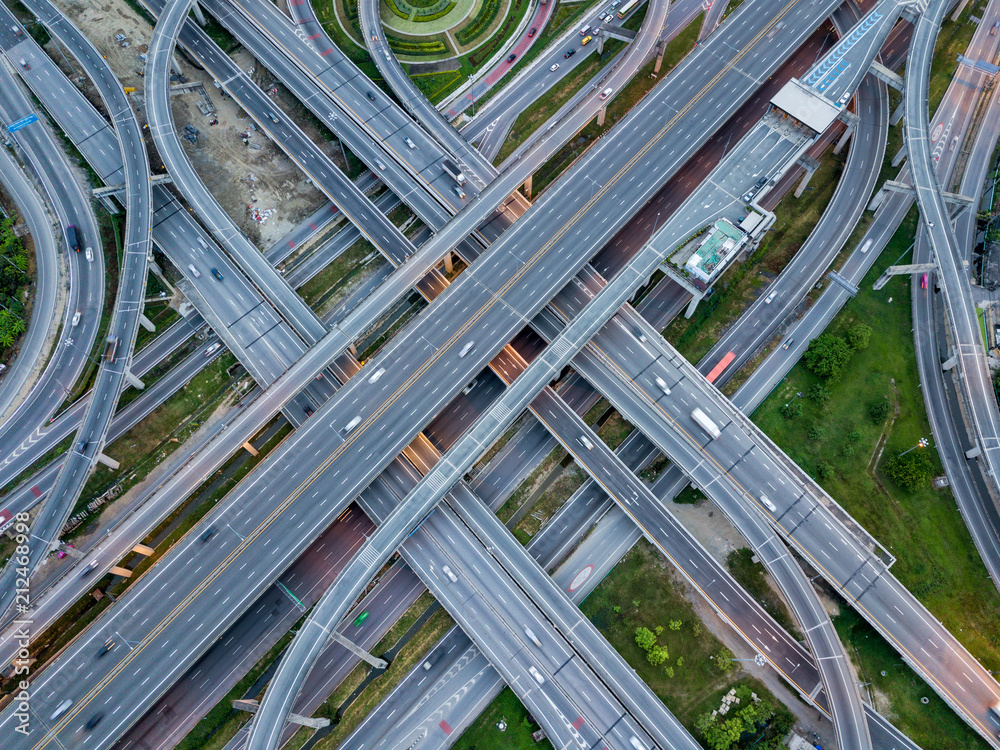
{"x": 627, "y": 8}
{"x": 718, "y": 369}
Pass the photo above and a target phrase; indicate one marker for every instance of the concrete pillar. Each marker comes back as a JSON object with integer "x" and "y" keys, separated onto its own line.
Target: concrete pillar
{"x": 133, "y": 380}
{"x": 199, "y": 15}
{"x": 897, "y": 114}
{"x": 449, "y": 264}
{"x": 142, "y": 549}
{"x": 844, "y": 139}
{"x": 900, "y": 155}
{"x": 692, "y": 305}
{"x": 146, "y": 323}
{"x": 176, "y": 64}
{"x": 600, "y": 116}
{"x": 527, "y": 186}
{"x": 108, "y": 461}
{"x": 802, "y": 184}
{"x": 600, "y": 44}
{"x": 877, "y": 199}
{"x": 659, "y": 56}
{"x": 250, "y": 449}
{"x": 251, "y": 706}
{"x": 949, "y": 363}
{"x": 119, "y": 571}
{"x": 376, "y": 662}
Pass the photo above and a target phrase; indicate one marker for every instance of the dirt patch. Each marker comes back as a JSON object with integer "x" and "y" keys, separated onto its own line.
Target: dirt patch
{"x": 709, "y": 525}
{"x": 278, "y": 191}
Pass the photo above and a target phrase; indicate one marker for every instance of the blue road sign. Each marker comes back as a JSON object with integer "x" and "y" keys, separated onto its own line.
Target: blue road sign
{"x": 23, "y": 122}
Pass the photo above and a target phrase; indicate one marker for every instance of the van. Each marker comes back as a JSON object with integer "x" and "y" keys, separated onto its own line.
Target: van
{"x": 766, "y": 502}
{"x": 207, "y": 534}
{"x": 71, "y": 237}
{"x": 606, "y": 93}
{"x": 351, "y": 425}
{"x": 532, "y": 637}
{"x": 582, "y": 440}
{"x": 89, "y": 254}
{"x": 587, "y": 40}
{"x": 376, "y": 375}
{"x": 194, "y": 271}
{"x": 662, "y": 385}
{"x": 76, "y": 319}
{"x": 584, "y": 30}
{"x": 467, "y": 348}
{"x": 451, "y": 576}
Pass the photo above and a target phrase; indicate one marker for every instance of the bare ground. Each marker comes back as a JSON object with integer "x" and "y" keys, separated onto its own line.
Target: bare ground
{"x": 220, "y": 157}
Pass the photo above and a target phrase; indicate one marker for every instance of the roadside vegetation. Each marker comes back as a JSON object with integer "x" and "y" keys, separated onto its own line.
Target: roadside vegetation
{"x": 860, "y": 409}
{"x": 507, "y": 711}
{"x": 17, "y": 269}
{"x": 952, "y": 41}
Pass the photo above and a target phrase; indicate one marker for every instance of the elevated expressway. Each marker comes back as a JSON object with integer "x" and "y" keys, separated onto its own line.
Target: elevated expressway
{"x": 977, "y": 387}
{"x": 596, "y": 225}
{"x": 85, "y": 292}
{"x": 113, "y": 372}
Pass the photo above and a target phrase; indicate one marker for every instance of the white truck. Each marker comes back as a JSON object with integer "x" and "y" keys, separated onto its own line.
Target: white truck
{"x": 453, "y": 170}
{"x": 705, "y": 423}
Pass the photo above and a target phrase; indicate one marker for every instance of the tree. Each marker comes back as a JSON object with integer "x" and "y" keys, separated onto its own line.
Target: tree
{"x": 879, "y": 410}
{"x": 910, "y": 470}
{"x": 791, "y": 410}
{"x": 819, "y": 393}
{"x": 657, "y": 655}
{"x": 826, "y": 356}
{"x": 644, "y": 638}
{"x": 859, "y": 336}
{"x": 815, "y": 432}
{"x": 724, "y": 660}
{"x": 825, "y": 470}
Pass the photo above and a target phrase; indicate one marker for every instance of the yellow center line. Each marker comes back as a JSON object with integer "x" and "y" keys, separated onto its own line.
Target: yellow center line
{"x": 494, "y": 299}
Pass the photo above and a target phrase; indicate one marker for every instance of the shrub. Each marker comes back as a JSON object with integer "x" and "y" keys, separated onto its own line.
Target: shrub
{"x": 879, "y": 411}
{"x": 819, "y": 393}
{"x": 815, "y": 432}
{"x": 854, "y": 436}
{"x": 657, "y": 655}
{"x": 859, "y": 336}
{"x": 848, "y": 450}
{"x": 910, "y": 470}
{"x": 675, "y": 624}
{"x": 724, "y": 660}
{"x": 791, "y": 410}
{"x": 825, "y": 470}
{"x": 644, "y": 638}
{"x": 826, "y": 355}
{"x": 480, "y": 23}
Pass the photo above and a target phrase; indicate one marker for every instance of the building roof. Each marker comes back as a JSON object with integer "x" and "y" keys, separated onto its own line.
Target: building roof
{"x": 806, "y": 105}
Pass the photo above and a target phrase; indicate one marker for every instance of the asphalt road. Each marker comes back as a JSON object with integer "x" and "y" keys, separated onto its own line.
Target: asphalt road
{"x": 55, "y": 510}
{"x": 434, "y": 328}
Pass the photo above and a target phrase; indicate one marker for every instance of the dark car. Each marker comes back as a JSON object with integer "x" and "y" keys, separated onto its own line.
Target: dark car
{"x": 216, "y": 274}
{"x": 89, "y": 569}
{"x": 371, "y": 95}
{"x": 106, "y": 647}
{"x": 207, "y": 533}
{"x": 532, "y": 32}
{"x": 511, "y": 57}
{"x": 93, "y": 721}
{"x": 570, "y": 53}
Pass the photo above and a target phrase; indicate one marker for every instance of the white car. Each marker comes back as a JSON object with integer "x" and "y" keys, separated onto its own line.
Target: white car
{"x": 376, "y": 375}
{"x": 537, "y": 675}
{"x": 554, "y": 67}
{"x": 89, "y": 254}
{"x": 213, "y": 349}
{"x": 61, "y": 709}
{"x": 76, "y": 319}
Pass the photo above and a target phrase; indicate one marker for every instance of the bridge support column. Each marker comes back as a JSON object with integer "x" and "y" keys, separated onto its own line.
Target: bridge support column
{"x": 250, "y": 449}
{"x": 133, "y": 380}
{"x": 600, "y": 115}
{"x": 897, "y": 114}
{"x": 359, "y": 652}
{"x": 449, "y": 264}
{"x": 693, "y": 304}
{"x": 199, "y": 15}
{"x": 803, "y": 182}
{"x": 973, "y": 452}
{"x": 949, "y": 363}
{"x": 108, "y": 461}
{"x": 659, "y": 58}
{"x": 527, "y": 186}
{"x": 844, "y": 139}
{"x": 251, "y": 706}
{"x": 900, "y": 155}
{"x": 146, "y": 323}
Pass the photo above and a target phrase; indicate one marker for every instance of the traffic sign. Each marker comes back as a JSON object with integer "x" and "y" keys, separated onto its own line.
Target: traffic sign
{"x": 23, "y": 122}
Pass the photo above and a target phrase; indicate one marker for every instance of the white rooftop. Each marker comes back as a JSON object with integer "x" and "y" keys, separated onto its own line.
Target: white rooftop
{"x": 806, "y": 105}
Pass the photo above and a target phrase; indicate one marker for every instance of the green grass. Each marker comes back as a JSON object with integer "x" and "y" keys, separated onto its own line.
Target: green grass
{"x": 937, "y": 560}
{"x": 933, "y": 726}
{"x": 752, "y": 577}
{"x": 614, "y": 431}
{"x": 483, "y": 733}
{"x": 336, "y": 274}
{"x": 642, "y": 591}
{"x": 550, "y": 502}
{"x": 623, "y": 102}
